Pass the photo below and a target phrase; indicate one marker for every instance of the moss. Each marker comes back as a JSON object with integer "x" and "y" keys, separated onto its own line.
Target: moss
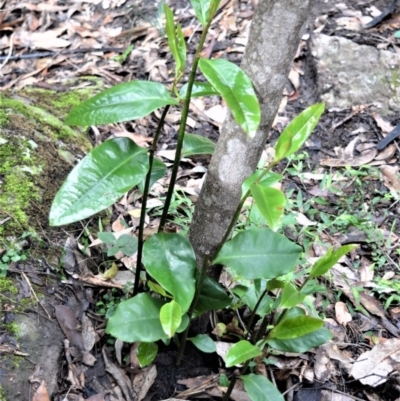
{"x": 37, "y": 151}
{"x": 2, "y": 394}
{"x": 12, "y": 329}
{"x": 7, "y": 286}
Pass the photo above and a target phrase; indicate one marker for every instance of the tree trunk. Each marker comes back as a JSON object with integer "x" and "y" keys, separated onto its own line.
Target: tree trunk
{"x": 274, "y": 37}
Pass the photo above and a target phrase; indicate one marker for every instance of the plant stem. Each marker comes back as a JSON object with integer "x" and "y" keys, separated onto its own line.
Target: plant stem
{"x": 181, "y": 132}
{"x": 253, "y": 315}
{"x": 144, "y": 201}
{"x": 233, "y": 381}
{"x": 199, "y": 286}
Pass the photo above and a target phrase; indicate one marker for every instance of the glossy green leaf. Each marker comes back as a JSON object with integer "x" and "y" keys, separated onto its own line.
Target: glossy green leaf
{"x": 202, "y": 10}
{"x": 271, "y": 203}
{"x": 294, "y": 327}
{"x": 259, "y": 388}
{"x": 145, "y": 353}
{"x": 259, "y": 253}
{"x": 107, "y": 237}
{"x": 241, "y": 352}
{"x": 123, "y": 102}
{"x": 99, "y": 180}
{"x": 170, "y": 317}
{"x": 236, "y": 89}
{"x": 184, "y": 323}
{"x": 298, "y": 131}
{"x": 176, "y": 41}
{"x": 137, "y": 319}
{"x": 170, "y": 260}
{"x": 303, "y": 343}
{"x": 268, "y": 180}
{"x": 197, "y": 145}
{"x": 252, "y": 297}
{"x": 204, "y": 343}
{"x": 212, "y": 297}
{"x": 157, "y": 289}
{"x": 157, "y": 172}
{"x": 199, "y": 89}
{"x": 291, "y": 296}
{"x": 323, "y": 264}
{"x": 214, "y": 6}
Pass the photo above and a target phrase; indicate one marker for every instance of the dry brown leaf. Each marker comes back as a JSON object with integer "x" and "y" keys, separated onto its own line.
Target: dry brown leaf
{"x": 390, "y": 178}
{"x": 342, "y": 313}
{"x": 143, "y": 381}
{"x": 41, "y": 393}
{"x": 97, "y": 397}
{"x": 69, "y": 325}
{"x": 384, "y": 125}
{"x": 353, "y": 161}
{"x": 373, "y": 367}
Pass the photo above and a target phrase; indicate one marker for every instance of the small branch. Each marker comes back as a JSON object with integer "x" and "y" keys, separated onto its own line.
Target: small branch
{"x": 144, "y": 202}
{"x": 34, "y": 294}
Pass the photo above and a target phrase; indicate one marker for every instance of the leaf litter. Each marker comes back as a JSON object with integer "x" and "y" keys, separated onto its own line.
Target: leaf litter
{"x": 27, "y": 33}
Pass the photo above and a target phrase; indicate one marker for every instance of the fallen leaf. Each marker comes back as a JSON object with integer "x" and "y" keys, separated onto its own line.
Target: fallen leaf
{"x": 143, "y": 381}
{"x": 373, "y": 367}
{"x": 342, "y": 313}
{"x": 41, "y": 393}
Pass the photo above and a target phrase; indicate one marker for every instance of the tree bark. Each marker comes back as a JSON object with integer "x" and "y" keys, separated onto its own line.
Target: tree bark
{"x": 275, "y": 34}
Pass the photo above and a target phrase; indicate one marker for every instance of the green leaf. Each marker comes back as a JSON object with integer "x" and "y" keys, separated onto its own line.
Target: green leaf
{"x": 169, "y": 259}
{"x": 214, "y": 6}
{"x": 157, "y": 172}
{"x": 267, "y": 180}
{"x": 236, "y": 89}
{"x": 197, "y": 145}
{"x": 201, "y": 9}
{"x": 303, "y": 343}
{"x": 323, "y": 264}
{"x": 271, "y": 203}
{"x": 241, "y": 352}
{"x": 204, "y": 343}
{"x": 170, "y": 317}
{"x": 123, "y": 102}
{"x": 137, "y": 319}
{"x": 145, "y": 353}
{"x": 212, "y": 297}
{"x": 251, "y": 298}
{"x": 176, "y": 41}
{"x": 199, "y": 89}
{"x": 99, "y": 180}
{"x": 294, "y": 327}
{"x": 128, "y": 244}
{"x": 259, "y": 253}
{"x": 259, "y": 388}
{"x": 298, "y": 131}
{"x": 157, "y": 289}
{"x": 184, "y": 324}
{"x": 107, "y": 237}
{"x": 291, "y": 296}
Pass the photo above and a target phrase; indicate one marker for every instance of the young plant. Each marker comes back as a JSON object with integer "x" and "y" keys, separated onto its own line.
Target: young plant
{"x": 178, "y": 291}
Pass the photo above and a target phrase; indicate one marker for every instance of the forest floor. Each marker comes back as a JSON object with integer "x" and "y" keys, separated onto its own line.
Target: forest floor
{"x": 342, "y": 187}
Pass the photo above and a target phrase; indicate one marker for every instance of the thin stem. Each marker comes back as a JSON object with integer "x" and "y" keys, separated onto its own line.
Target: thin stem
{"x": 199, "y": 286}
{"x": 144, "y": 201}
{"x": 233, "y": 381}
{"x": 250, "y": 323}
{"x": 181, "y": 132}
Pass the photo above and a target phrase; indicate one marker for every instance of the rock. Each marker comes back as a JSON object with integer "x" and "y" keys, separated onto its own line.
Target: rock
{"x": 350, "y": 74}
{"x": 43, "y": 341}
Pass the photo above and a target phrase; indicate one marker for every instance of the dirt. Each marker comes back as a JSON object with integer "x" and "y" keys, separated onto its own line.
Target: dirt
{"x": 42, "y": 189}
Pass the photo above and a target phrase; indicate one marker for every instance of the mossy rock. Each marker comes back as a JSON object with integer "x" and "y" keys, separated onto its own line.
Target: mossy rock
{"x": 37, "y": 151}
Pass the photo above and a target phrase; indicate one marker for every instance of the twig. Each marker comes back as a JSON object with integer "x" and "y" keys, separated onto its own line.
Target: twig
{"x": 62, "y": 53}
{"x": 8, "y": 57}
{"x": 34, "y": 294}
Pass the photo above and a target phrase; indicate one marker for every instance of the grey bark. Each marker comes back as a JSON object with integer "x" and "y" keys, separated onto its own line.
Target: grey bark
{"x": 273, "y": 40}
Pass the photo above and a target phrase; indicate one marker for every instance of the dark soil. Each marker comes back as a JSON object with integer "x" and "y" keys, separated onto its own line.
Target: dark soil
{"x": 323, "y": 141}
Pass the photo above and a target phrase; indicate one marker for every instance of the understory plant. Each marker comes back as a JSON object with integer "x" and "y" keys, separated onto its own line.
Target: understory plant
{"x": 261, "y": 260}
